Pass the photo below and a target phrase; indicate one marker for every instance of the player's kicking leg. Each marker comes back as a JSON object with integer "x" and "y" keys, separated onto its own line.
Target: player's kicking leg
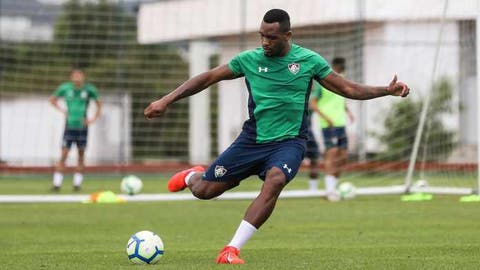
{"x": 202, "y": 189}
{"x": 257, "y": 213}
{"x": 224, "y": 173}
{"x": 180, "y": 180}
{"x": 279, "y": 164}
{"x": 192, "y": 178}
{"x": 276, "y": 163}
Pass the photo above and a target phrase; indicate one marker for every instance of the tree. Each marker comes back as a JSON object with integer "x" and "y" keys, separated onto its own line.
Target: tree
{"x": 402, "y": 121}
{"x": 100, "y": 37}
{"x": 87, "y": 32}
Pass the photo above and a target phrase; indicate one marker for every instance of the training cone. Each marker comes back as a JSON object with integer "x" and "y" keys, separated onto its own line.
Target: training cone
{"x": 104, "y": 197}
{"x": 417, "y": 197}
{"x": 470, "y": 198}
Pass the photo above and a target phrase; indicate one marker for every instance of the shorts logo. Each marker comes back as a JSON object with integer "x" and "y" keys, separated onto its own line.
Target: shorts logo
{"x": 285, "y": 166}
{"x": 220, "y": 171}
{"x": 335, "y": 140}
{"x": 294, "y": 68}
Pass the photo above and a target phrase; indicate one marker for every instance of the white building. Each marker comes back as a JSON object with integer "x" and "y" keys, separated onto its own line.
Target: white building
{"x": 27, "y": 20}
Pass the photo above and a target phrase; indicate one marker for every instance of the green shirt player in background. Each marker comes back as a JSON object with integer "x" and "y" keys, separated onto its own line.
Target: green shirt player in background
{"x": 333, "y": 111}
{"x": 278, "y": 78}
{"x": 77, "y": 94}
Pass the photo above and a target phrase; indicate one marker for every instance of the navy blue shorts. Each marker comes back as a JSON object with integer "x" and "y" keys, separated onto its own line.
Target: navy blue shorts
{"x": 77, "y": 136}
{"x": 312, "y": 151}
{"x": 245, "y": 157}
{"x": 335, "y": 137}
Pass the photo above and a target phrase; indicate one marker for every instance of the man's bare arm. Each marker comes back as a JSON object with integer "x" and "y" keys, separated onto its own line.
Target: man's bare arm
{"x": 98, "y": 104}
{"x": 189, "y": 88}
{"x": 54, "y": 101}
{"x": 353, "y": 90}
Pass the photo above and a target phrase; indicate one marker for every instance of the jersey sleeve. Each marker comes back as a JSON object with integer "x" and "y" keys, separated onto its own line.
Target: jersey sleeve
{"x": 322, "y": 68}
{"x": 61, "y": 89}
{"x": 236, "y": 64}
{"x": 93, "y": 92}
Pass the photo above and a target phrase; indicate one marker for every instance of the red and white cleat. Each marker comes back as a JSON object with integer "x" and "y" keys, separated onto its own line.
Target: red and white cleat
{"x": 229, "y": 255}
{"x": 177, "y": 181}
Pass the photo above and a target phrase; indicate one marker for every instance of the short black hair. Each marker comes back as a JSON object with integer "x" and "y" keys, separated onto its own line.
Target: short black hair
{"x": 280, "y": 16}
{"x": 76, "y": 69}
{"x": 339, "y": 61}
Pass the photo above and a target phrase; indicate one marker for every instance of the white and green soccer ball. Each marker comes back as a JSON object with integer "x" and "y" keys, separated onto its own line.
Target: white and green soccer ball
{"x": 145, "y": 247}
{"x": 346, "y": 190}
{"x": 131, "y": 185}
{"x": 421, "y": 183}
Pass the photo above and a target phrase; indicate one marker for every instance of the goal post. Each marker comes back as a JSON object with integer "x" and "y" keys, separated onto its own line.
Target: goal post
{"x": 477, "y": 42}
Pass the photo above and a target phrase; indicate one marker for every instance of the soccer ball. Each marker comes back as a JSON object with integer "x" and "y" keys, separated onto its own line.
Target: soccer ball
{"x": 131, "y": 185}
{"x": 346, "y": 190}
{"x": 421, "y": 183}
{"x": 144, "y": 247}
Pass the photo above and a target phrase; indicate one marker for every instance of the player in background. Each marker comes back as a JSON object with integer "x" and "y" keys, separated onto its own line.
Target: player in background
{"x": 278, "y": 77}
{"x": 333, "y": 111}
{"x": 312, "y": 154}
{"x": 77, "y": 94}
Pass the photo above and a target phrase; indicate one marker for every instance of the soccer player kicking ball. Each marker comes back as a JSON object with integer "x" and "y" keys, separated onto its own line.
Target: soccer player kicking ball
{"x": 272, "y": 143}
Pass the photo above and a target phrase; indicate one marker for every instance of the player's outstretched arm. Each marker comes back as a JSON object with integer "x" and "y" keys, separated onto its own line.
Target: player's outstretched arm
{"x": 98, "y": 103}
{"x": 353, "y": 90}
{"x": 54, "y": 101}
{"x": 190, "y": 87}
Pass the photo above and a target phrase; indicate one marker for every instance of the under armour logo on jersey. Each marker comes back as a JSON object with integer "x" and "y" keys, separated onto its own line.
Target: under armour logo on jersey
{"x": 285, "y": 166}
{"x": 260, "y": 69}
{"x": 294, "y": 68}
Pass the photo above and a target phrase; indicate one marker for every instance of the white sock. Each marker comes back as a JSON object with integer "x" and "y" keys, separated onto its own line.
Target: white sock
{"x": 57, "y": 179}
{"x": 77, "y": 179}
{"x": 244, "y": 231}
{"x": 313, "y": 184}
{"x": 330, "y": 183}
{"x": 189, "y": 175}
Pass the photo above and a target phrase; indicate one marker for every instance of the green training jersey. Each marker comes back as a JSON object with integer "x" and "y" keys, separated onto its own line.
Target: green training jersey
{"x": 77, "y": 102}
{"x": 279, "y": 89}
{"x": 331, "y": 104}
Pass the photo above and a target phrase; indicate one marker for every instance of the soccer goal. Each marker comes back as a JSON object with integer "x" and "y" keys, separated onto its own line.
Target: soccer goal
{"x": 137, "y": 51}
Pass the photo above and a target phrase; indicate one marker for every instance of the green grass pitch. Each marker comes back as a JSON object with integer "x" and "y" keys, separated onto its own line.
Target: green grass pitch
{"x": 374, "y": 232}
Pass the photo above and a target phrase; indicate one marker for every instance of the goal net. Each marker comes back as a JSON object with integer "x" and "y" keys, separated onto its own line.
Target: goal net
{"x": 137, "y": 51}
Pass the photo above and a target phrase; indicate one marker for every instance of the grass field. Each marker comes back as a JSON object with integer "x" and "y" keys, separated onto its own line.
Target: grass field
{"x": 376, "y": 232}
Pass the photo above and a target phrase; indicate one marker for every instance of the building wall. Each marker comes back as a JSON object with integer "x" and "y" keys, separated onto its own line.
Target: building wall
{"x": 32, "y": 130}
{"x": 168, "y": 21}
{"x": 24, "y": 29}
{"x": 408, "y": 49}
